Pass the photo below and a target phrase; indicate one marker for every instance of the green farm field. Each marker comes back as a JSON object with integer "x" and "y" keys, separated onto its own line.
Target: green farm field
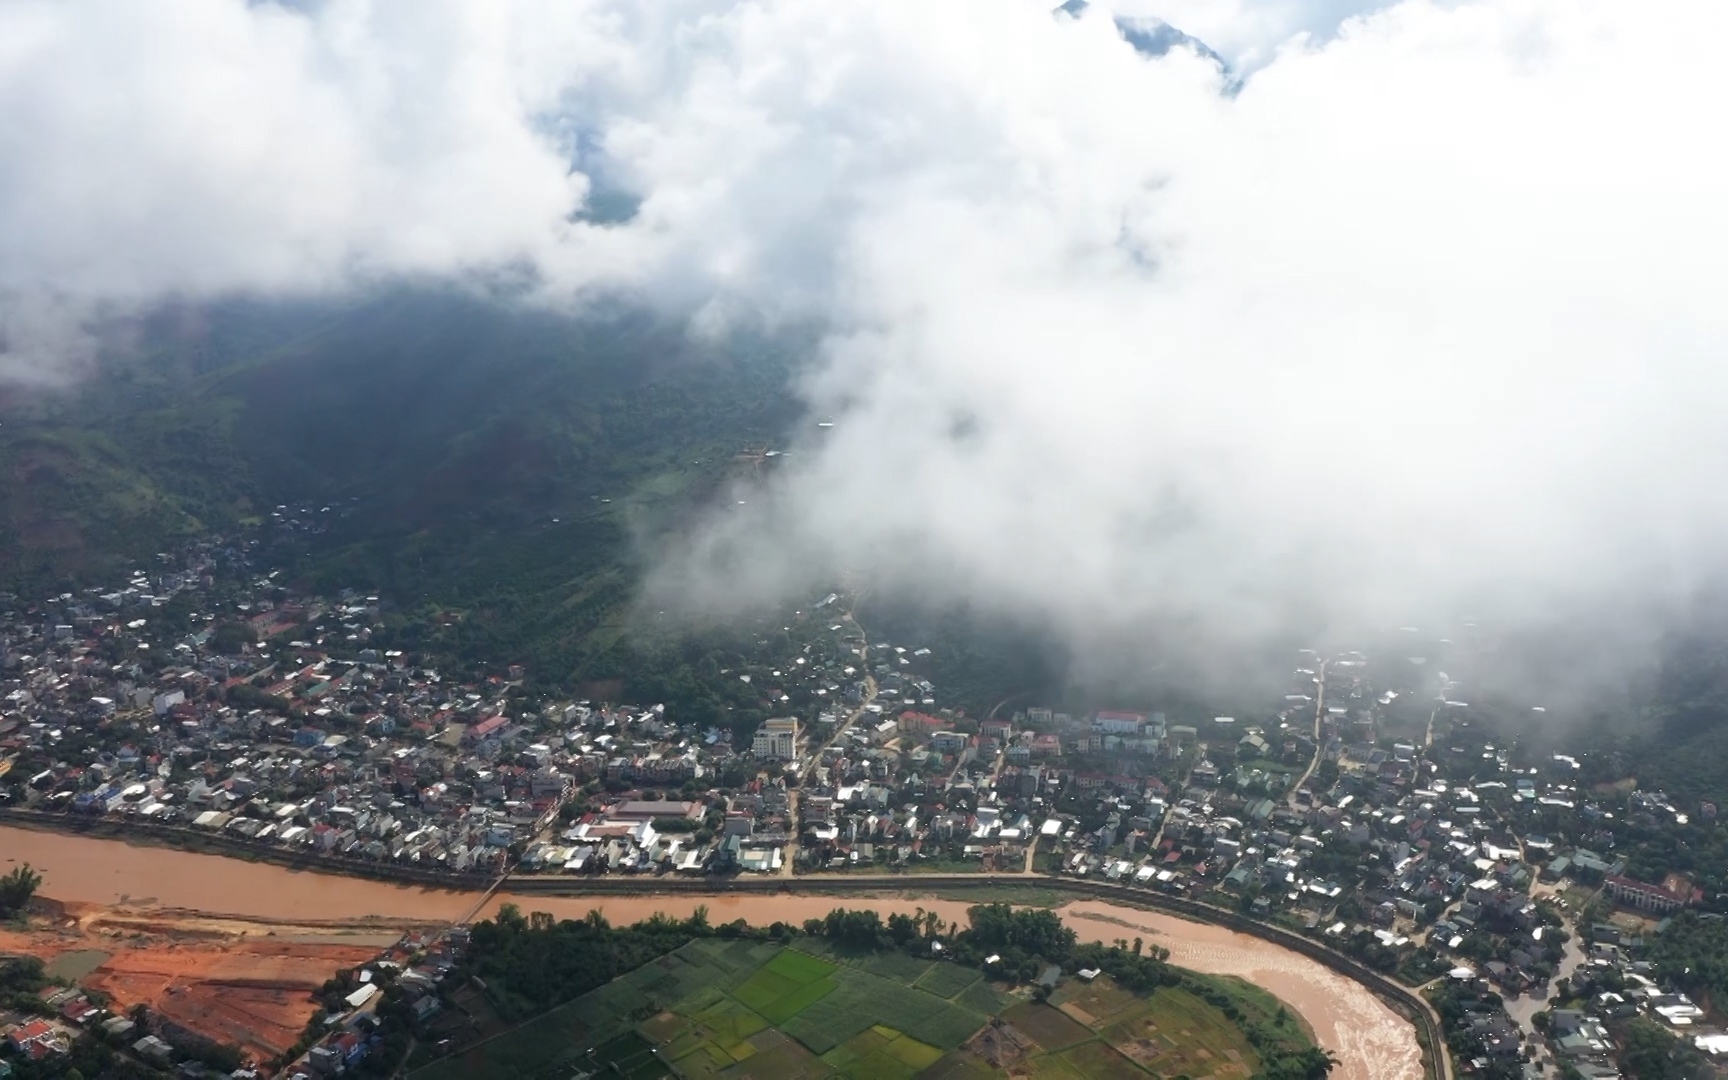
{"x": 740, "y": 1009}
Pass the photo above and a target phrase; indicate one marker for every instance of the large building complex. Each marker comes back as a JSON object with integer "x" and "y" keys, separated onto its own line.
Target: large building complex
{"x": 777, "y": 738}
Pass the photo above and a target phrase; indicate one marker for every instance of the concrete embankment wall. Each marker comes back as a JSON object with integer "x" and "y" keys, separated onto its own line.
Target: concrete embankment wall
{"x": 186, "y": 838}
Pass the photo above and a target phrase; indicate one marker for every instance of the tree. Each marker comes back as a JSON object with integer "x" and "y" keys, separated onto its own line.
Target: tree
{"x": 1311, "y": 1063}
{"x": 1037, "y": 931}
{"x": 1653, "y": 1054}
{"x": 16, "y": 889}
{"x": 861, "y": 929}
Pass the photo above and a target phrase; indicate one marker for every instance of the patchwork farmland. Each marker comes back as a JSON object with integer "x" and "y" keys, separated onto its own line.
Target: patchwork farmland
{"x": 748, "y": 1010}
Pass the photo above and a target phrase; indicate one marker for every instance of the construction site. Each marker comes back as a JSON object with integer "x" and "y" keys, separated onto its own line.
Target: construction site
{"x": 239, "y": 982}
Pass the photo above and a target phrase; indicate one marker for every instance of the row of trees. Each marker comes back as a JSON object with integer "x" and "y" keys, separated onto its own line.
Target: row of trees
{"x": 1023, "y": 942}
{"x": 530, "y": 966}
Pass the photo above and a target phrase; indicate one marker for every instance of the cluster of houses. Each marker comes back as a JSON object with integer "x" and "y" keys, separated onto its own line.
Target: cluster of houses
{"x": 35, "y": 1038}
{"x": 141, "y": 701}
{"x": 66, "y": 1015}
{"x": 1423, "y": 849}
{"x": 296, "y": 733}
{"x": 417, "y": 967}
{"x": 1608, "y": 985}
{"x": 1392, "y": 861}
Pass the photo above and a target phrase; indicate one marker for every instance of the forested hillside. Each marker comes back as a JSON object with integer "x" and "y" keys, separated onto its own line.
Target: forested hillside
{"x": 508, "y": 466}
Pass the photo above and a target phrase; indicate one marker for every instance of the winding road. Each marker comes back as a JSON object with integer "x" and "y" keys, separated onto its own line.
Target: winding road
{"x": 1319, "y": 750}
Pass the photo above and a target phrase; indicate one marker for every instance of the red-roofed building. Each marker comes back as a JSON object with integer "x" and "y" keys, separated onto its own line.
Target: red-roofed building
{"x": 485, "y": 728}
{"x": 1675, "y": 892}
{"x": 1118, "y": 723}
{"x": 37, "y": 1039}
{"x": 920, "y": 723}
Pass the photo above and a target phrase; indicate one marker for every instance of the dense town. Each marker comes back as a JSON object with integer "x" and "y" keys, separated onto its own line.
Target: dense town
{"x": 200, "y": 698}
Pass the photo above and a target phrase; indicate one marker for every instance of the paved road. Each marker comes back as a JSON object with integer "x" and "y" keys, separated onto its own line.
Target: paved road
{"x": 815, "y": 755}
{"x": 863, "y": 706}
{"x": 1523, "y": 1008}
{"x": 1319, "y": 750}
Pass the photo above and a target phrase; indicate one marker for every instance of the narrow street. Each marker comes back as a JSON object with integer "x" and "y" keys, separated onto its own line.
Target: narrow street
{"x": 809, "y": 761}
{"x": 1319, "y": 750}
{"x": 1523, "y": 1008}
{"x": 791, "y": 850}
{"x": 863, "y": 706}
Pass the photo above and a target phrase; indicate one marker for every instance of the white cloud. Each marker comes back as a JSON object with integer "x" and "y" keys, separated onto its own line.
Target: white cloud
{"x": 217, "y": 146}
{"x": 1430, "y": 308}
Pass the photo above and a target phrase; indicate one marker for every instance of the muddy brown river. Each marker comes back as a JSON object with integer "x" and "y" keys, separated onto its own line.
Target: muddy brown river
{"x": 1371, "y": 1041}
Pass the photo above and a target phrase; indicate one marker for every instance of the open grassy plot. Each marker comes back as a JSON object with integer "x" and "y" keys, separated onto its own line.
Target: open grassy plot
{"x": 787, "y": 1006}
{"x": 898, "y": 966}
{"x": 629, "y": 1055}
{"x": 1179, "y": 1033}
{"x": 1050, "y": 1028}
{"x": 467, "y": 1019}
{"x": 763, "y": 987}
{"x": 705, "y": 1060}
{"x": 786, "y": 985}
{"x": 1054, "y": 1067}
{"x": 845, "y": 1012}
{"x": 912, "y": 1053}
{"x": 881, "y": 1052}
{"x": 708, "y": 1059}
{"x": 1263, "y": 1007}
{"x": 697, "y": 967}
{"x": 947, "y": 980}
{"x": 890, "y": 965}
{"x": 983, "y": 998}
{"x": 629, "y": 998}
{"x": 959, "y": 1065}
{"x": 799, "y": 966}
{"x": 746, "y": 1010}
{"x": 679, "y": 1006}
{"x": 1100, "y": 1061}
{"x": 1096, "y": 1004}
{"x": 666, "y": 1028}
{"x": 729, "y": 1023}
{"x": 860, "y": 1000}
{"x": 734, "y": 960}
{"x": 851, "y": 1055}
{"x": 683, "y": 1043}
{"x": 541, "y": 1045}
{"x": 778, "y": 1058}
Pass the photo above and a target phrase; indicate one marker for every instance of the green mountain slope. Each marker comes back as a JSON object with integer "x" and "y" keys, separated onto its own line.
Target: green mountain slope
{"x": 503, "y": 463}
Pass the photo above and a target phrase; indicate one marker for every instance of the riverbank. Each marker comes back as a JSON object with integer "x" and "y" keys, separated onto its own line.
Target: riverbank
{"x": 1355, "y": 1013}
{"x": 244, "y": 982}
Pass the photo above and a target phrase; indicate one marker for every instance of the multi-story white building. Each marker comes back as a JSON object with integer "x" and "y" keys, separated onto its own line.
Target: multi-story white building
{"x": 777, "y": 738}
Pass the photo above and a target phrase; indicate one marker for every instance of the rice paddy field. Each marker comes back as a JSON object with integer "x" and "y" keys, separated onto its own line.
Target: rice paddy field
{"x": 742, "y": 1009}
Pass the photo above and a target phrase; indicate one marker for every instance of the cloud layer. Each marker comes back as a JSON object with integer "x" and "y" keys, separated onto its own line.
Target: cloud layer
{"x": 1428, "y": 313}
